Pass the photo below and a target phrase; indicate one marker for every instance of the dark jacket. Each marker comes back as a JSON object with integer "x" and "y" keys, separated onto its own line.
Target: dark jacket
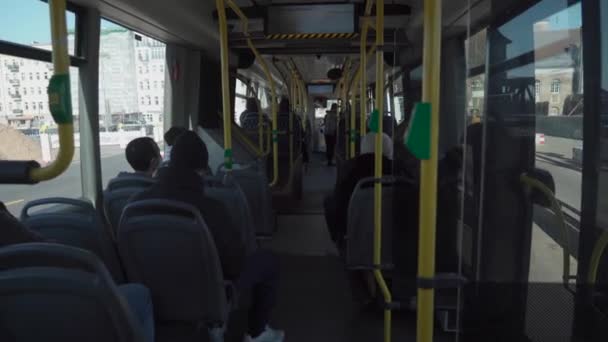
{"x": 187, "y": 186}
{"x": 12, "y": 231}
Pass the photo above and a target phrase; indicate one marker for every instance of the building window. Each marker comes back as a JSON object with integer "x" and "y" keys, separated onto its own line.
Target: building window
{"x": 148, "y": 101}
{"x": 156, "y": 100}
{"x": 39, "y": 91}
{"x": 37, "y": 75}
{"x": 141, "y": 85}
{"x": 26, "y": 106}
{"x": 46, "y": 75}
{"x": 555, "y": 86}
{"x": 148, "y": 85}
{"x": 155, "y": 85}
{"x": 537, "y": 88}
{"x": 31, "y": 76}
{"x": 24, "y": 91}
{"x": 162, "y": 84}
{"x": 40, "y": 105}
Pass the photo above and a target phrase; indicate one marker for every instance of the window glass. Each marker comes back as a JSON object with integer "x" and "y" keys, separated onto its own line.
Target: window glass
{"x": 129, "y": 106}
{"x": 28, "y": 132}
{"x": 240, "y": 99}
{"x": 27, "y": 22}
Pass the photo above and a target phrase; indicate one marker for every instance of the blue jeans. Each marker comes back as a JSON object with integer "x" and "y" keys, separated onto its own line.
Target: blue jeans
{"x": 140, "y": 301}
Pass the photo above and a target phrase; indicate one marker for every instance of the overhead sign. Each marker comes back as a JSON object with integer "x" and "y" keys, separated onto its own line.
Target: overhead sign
{"x": 321, "y": 18}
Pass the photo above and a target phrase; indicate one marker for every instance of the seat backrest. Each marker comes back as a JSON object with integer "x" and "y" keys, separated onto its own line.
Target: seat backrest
{"x": 130, "y": 181}
{"x": 360, "y": 225}
{"x": 75, "y": 223}
{"x": 166, "y": 246}
{"x": 254, "y": 184}
{"x": 114, "y": 202}
{"x": 227, "y": 191}
{"x": 51, "y": 292}
{"x": 283, "y": 143}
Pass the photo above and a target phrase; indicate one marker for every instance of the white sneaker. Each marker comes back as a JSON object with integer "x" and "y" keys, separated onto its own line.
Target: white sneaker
{"x": 268, "y": 335}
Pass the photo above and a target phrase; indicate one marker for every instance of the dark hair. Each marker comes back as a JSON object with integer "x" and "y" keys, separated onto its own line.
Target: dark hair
{"x": 284, "y": 105}
{"x": 252, "y": 105}
{"x": 173, "y": 133}
{"x": 141, "y": 152}
{"x": 189, "y": 152}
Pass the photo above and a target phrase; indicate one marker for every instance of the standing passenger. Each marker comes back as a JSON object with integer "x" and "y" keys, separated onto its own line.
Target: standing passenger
{"x": 182, "y": 181}
{"x": 331, "y": 127}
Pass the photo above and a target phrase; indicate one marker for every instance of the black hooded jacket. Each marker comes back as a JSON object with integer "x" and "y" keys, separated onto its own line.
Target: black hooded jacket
{"x": 184, "y": 185}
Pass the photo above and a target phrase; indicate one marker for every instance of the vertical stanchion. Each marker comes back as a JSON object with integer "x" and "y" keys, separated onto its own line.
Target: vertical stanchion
{"x": 221, "y": 11}
{"x": 376, "y": 124}
{"x": 428, "y": 172}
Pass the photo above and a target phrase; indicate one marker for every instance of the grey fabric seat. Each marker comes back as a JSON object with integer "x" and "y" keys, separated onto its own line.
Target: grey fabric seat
{"x": 51, "y": 292}
{"x": 117, "y": 195}
{"x": 75, "y": 223}
{"x": 360, "y": 226}
{"x": 166, "y": 246}
{"x": 229, "y": 192}
{"x": 254, "y": 184}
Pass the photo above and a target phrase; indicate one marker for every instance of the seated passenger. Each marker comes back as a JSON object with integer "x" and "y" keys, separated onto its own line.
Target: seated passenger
{"x": 251, "y": 107}
{"x": 144, "y": 157}
{"x": 354, "y": 170}
{"x": 170, "y": 137}
{"x": 182, "y": 181}
{"x": 137, "y": 296}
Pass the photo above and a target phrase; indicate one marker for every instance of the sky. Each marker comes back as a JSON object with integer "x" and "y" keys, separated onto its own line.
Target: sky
{"x": 27, "y": 21}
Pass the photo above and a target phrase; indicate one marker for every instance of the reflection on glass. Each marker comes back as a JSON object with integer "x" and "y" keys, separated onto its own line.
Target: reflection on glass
{"x": 132, "y": 72}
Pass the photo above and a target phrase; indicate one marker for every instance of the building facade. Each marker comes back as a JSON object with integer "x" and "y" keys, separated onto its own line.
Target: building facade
{"x": 131, "y": 83}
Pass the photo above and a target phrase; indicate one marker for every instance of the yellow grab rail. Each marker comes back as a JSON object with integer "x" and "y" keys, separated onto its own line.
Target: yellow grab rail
{"x": 353, "y": 109}
{"x": 225, "y": 67}
{"x": 60, "y": 100}
{"x": 596, "y": 257}
{"x": 534, "y": 183}
{"x": 428, "y": 170}
{"x": 378, "y": 112}
{"x": 245, "y": 23}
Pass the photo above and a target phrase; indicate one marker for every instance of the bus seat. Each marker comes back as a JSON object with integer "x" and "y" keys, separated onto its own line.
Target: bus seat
{"x": 51, "y": 292}
{"x": 228, "y": 192}
{"x": 166, "y": 246}
{"x": 131, "y": 181}
{"x": 360, "y": 225}
{"x": 75, "y": 223}
{"x": 283, "y": 126}
{"x": 254, "y": 184}
{"x": 117, "y": 195}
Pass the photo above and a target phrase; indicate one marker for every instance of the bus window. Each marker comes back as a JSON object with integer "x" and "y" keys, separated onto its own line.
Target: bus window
{"x": 129, "y": 107}
{"x": 240, "y": 99}
{"x": 28, "y": 132}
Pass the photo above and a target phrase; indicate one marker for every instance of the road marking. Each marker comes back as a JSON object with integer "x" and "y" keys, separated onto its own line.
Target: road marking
{"x": 14, "y": 202}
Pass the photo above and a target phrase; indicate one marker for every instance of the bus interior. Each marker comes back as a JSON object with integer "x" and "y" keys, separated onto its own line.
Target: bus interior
{"x": 490, "y": 223}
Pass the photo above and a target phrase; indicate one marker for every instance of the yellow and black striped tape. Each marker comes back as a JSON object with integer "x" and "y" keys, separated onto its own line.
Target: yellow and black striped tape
{"x": 301, "y": 36}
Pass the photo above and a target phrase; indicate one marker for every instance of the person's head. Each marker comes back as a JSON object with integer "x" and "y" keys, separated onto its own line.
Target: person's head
{"x": 284, "y": 105}
{"x": 368, "y": 145}
{"x": 333, "y": 109}
{"x": 252, "y": 105}
{"x": 173, "y": 133}
{"x": 190, "y": 152}
{"x": 143, "y": 155}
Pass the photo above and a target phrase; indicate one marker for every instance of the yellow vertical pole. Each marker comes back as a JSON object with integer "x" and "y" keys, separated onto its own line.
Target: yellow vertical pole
{"x": 224, "y": 54}
{"x": 428, "y": 171}
{"x": 378, "y": 169}
{"x": 291, "y": 114}
{"x": 363, "y": 78}
{"x": 353, "y": 113}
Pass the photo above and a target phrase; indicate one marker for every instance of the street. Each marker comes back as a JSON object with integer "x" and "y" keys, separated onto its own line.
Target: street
{"x": 67, "y": 185}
